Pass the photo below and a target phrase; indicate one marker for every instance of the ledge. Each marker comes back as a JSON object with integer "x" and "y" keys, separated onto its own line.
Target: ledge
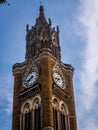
{"x": 29, "y": 92}
{"x": 60, "y": 93}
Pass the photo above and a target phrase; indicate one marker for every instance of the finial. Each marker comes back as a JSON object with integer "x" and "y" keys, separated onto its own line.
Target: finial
{"x": 27, "y": 27}
{"x": 58, "y": 29}
{"x": 41, "y": 10}
{"x": 49, "y": 21}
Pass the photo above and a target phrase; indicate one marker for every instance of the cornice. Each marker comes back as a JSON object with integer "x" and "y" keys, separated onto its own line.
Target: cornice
{"x": 44, "y": 52}
{"x": 30, "y": 92}
{"x": 61, "y": 94}
{"x": 18, "y": 67}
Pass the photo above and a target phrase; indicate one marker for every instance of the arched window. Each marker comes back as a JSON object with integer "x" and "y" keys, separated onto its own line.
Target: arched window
{"x": 55, "y": 113}
{"x": 26, "y": 117}
{"x": 60, "y": 115}
{"x": 37, "y": 118}
{"x": 28, "y": 121}
{"x": 63, "y": 117}
{"x": 30, "y": 118}
{"x": 37, "y": 113}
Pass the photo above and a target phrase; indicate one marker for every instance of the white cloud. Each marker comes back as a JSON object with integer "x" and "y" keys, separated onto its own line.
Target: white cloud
{"x": 88, "y": 21}
{"x": 6, "y": 93}
{"x": 9, "y": 99}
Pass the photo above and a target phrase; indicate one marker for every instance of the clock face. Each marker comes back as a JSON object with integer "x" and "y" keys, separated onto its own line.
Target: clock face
{"x": 31, "y": 78}
{"x": 58, "y": 79}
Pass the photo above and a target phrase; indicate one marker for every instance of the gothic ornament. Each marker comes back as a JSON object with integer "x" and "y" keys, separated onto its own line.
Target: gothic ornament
{"x": 58, "y": 75}
{"x": 58, "y": 79}
{"x": 31, "y": 74}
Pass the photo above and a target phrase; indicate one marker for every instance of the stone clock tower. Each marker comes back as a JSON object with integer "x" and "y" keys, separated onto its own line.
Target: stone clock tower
{"x": 43, "y": 87}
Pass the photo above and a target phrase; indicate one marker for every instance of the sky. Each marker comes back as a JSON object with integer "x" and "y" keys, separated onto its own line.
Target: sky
{"x": 78, "y": 23}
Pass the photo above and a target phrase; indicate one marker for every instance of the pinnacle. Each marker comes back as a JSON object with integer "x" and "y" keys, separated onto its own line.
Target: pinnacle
{"x": 41, "y": 11}
{"x": 41, "y": 19}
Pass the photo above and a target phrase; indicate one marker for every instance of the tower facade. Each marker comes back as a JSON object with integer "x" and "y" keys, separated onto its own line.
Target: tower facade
{"x": 43, "y": 86}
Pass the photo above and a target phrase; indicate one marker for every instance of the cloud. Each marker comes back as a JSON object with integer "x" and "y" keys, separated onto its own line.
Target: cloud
{"x": 6, "y": 93}
{"x": 88, "y": 25}
{"x": 8, "y": 108}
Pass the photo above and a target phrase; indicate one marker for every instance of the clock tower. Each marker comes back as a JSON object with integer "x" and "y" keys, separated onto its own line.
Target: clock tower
{"x": 43, "y": 84}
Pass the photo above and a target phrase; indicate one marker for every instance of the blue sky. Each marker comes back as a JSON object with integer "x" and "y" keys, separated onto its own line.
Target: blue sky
{"x": 78, "y": 22}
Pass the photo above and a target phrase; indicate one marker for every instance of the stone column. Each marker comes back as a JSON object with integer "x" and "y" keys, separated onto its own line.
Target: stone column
{"x": 46, "y": 94}
{"x": 16, "y": 100}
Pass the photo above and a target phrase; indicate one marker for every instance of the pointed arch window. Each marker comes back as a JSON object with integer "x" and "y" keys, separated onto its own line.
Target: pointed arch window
{"x": 62, "y": 120}
{"x": 37, "y": 114}
{"x": 37, "y": 118}
{"x": 63, "y": 117}
{"x": 60, "y": 115}
{"x": 30, "y": 118}
{"x": 55, "y": 113}
{"x": 28, "y": 121}
{"x": 26, "y": 118}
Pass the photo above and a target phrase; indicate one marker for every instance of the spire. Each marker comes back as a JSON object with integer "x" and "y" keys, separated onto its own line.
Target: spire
{"x": 42, "y": 36}
{"x": 41, "y": 11}
{"x": 41, "y": 19}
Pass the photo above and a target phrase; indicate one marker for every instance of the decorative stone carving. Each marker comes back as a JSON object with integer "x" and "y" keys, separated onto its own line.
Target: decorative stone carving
{"x": 31, "y": 66}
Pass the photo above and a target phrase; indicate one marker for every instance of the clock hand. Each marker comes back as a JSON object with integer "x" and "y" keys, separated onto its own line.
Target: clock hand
{"x": 30, "y": 78}
{"x": 57, "y": 79}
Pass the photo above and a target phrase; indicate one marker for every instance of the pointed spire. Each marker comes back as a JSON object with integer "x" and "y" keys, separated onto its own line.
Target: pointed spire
{"x": 27, "y": 27}
{"x": 41, "y": 19}
{"x": 41, "y": 11}
{"x": 42, "y": 35}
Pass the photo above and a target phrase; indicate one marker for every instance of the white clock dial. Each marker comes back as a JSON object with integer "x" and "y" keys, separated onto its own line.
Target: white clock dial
{"x": 58, "y": 79}
{"x": 31, "y": 78}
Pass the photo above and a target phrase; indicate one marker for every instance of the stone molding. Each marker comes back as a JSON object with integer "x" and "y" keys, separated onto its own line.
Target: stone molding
{"x": 30, "y": 92}
{"x": 48, "y": 128}
{"x": 60, "y": 93}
